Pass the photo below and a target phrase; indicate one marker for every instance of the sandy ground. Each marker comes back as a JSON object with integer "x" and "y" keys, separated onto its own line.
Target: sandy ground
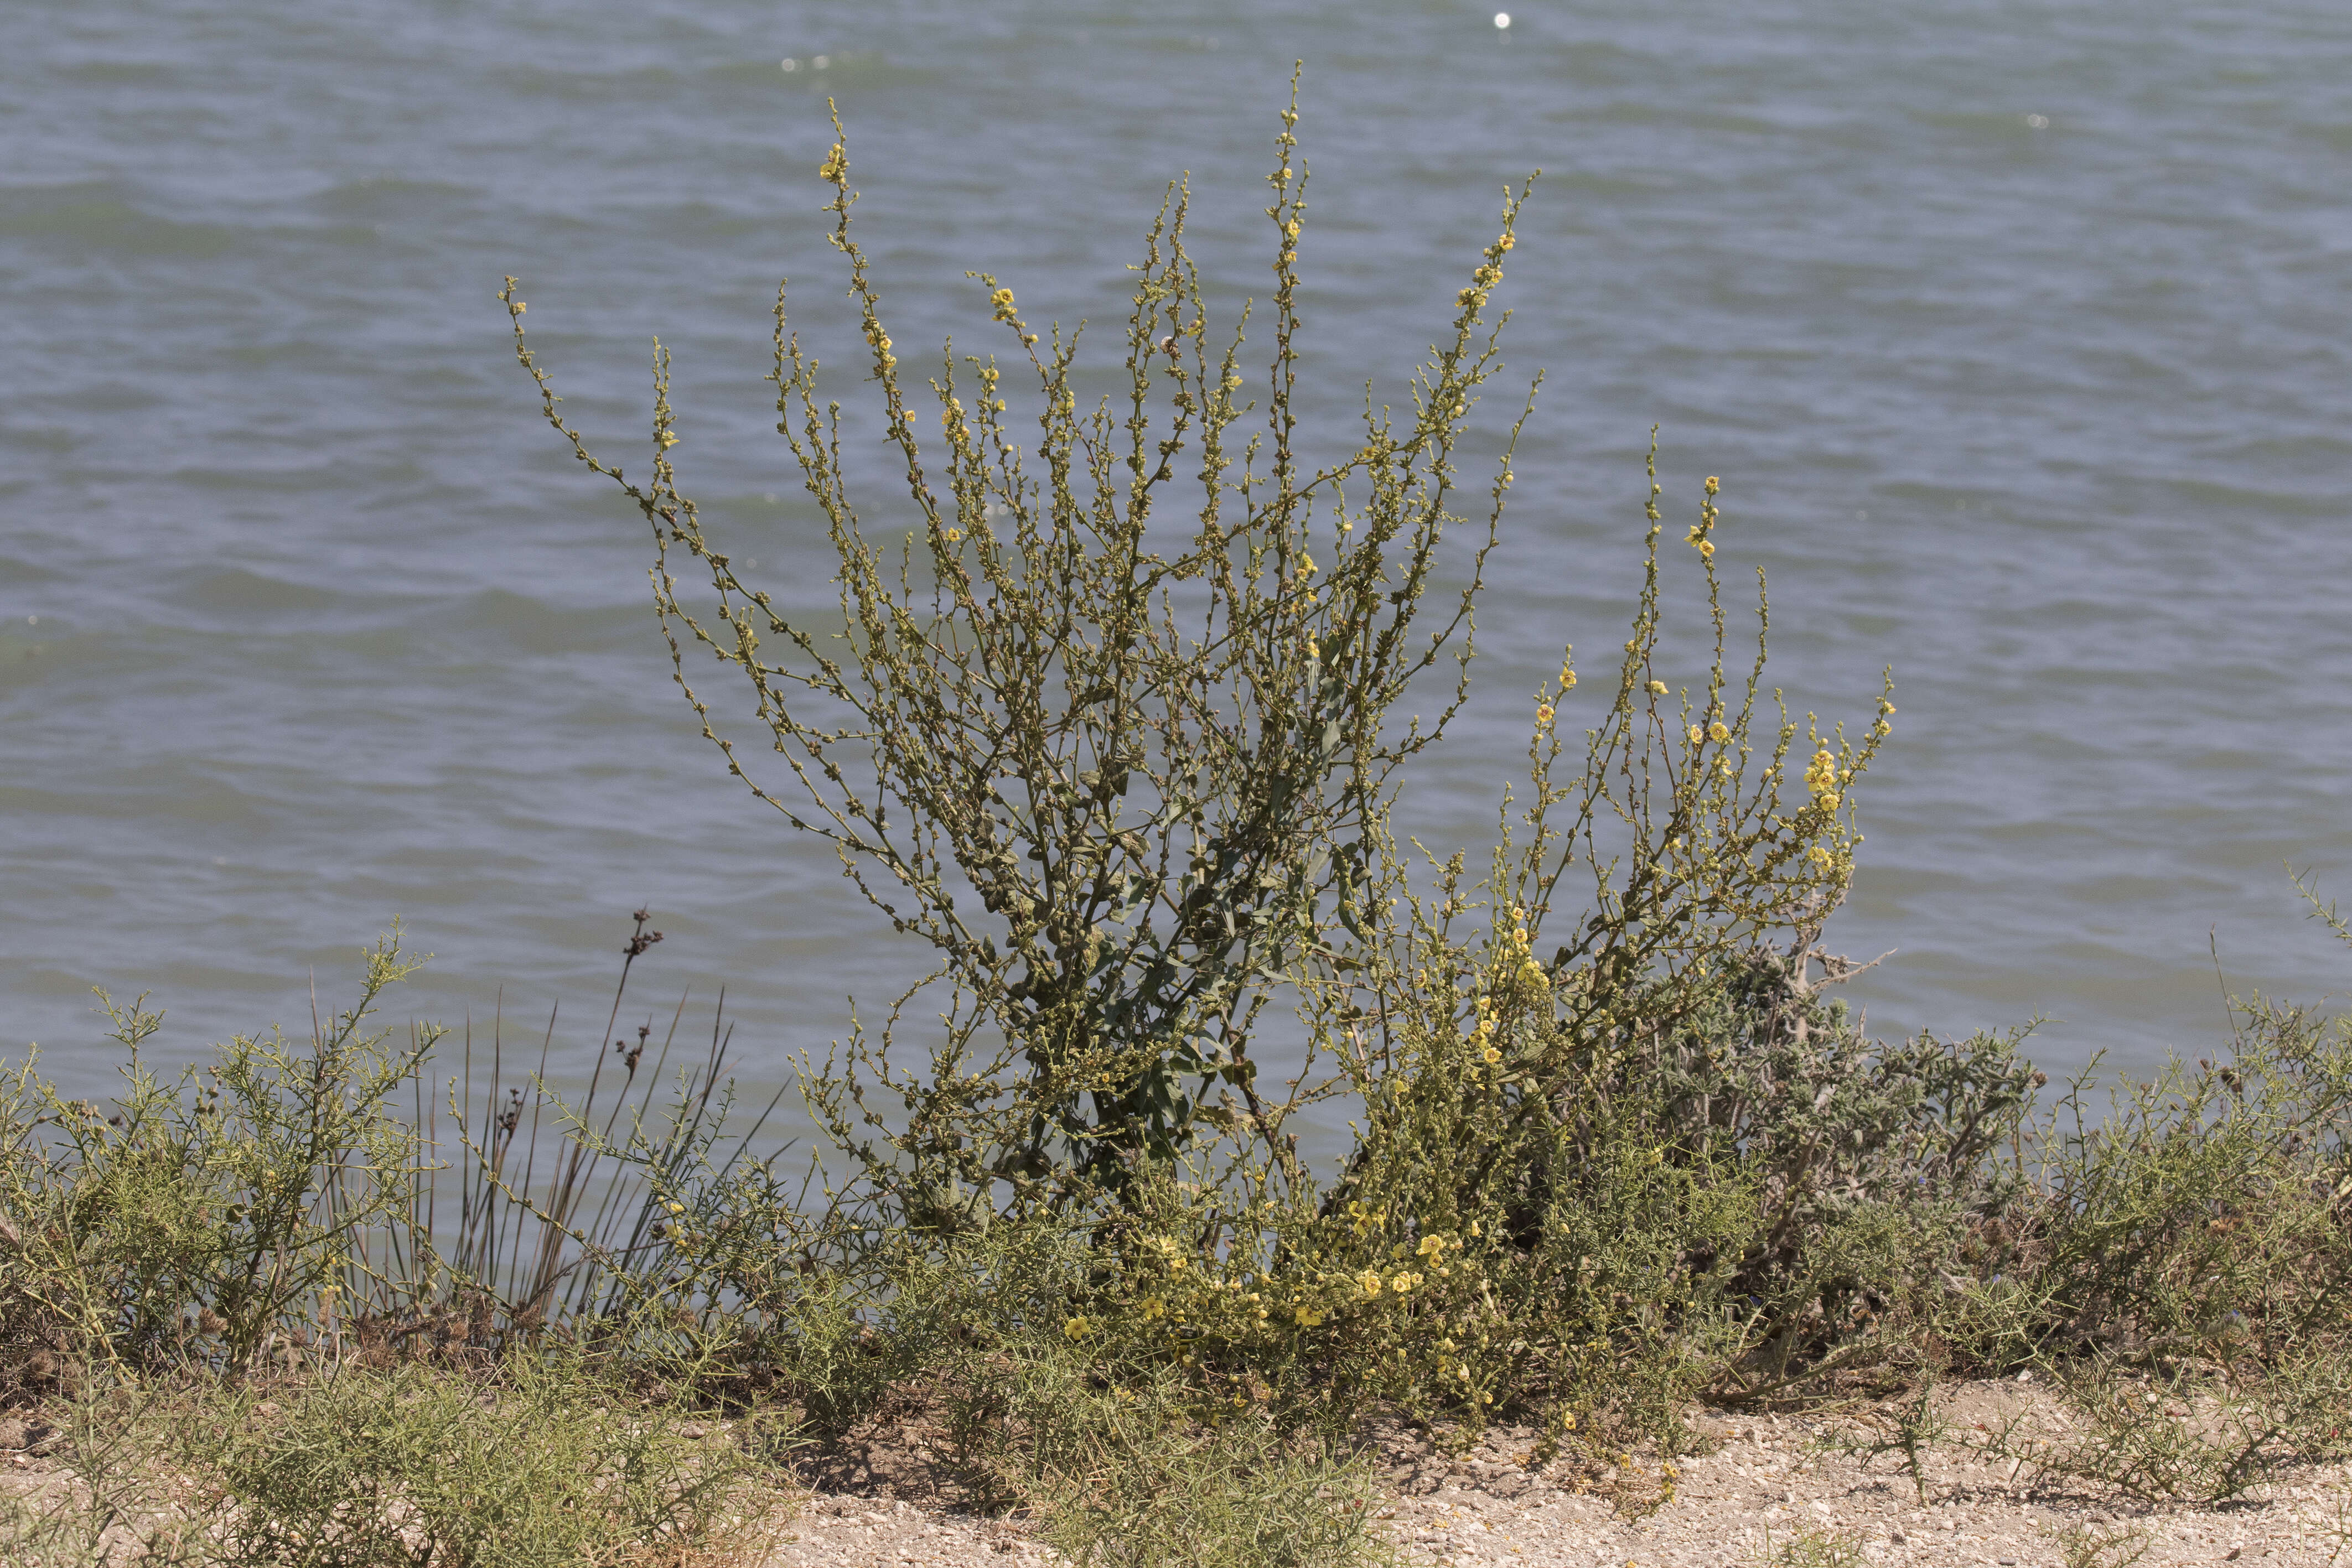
{"x": 1769, "y": 1483}
{"x": 1766, "y": 1483}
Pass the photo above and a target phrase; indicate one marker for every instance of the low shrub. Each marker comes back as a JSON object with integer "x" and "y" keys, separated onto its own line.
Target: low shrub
{"x": 2181, "y": 1268}
{"x": 546, "y": 1465}
{"x": 201, "y": 1217}
{"x": 115, "y": 1493}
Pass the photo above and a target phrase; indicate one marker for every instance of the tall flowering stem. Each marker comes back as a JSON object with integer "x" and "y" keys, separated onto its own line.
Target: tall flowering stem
{"x": 1122, "y": 760}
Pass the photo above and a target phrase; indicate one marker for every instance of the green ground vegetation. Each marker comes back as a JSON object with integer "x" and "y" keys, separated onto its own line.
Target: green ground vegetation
{"x": 1108, "y": 723}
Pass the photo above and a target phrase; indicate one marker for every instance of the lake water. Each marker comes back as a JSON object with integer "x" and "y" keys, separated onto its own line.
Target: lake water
{"x": 2017, "y": 333}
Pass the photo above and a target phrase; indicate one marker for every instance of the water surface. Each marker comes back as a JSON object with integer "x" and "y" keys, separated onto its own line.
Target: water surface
{"x": 2016, "y": 332}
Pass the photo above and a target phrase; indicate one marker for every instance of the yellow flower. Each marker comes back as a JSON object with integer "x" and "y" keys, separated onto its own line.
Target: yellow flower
{"x": 1154, "y": 1309}
{"x": 954, "y": 534}
{"x": 1306, "y": 1316}
{"x": 1431, "y": 1244}
{"x": 1718, "y": 731}
{"x": 1543, "y": 713}
{"x": 1713, "y": 484}
{"x": 1819, "y": 856}
{"x": 1828, "y": 799}
{"x": 1077, "y": 1328}
{"x": 669, "y": 440}
{"x": 1696, "y": 735}
{"x": 1658, "y": 688}
{"x": 1706, "y": 548}
{"x": 1370, "y": 1281}
{"x": 677, "y": 1209}
{"x": 1490, "y": 1056}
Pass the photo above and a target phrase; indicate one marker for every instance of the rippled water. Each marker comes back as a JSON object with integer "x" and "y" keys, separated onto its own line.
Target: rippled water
{"x": 2017, "y": 333}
